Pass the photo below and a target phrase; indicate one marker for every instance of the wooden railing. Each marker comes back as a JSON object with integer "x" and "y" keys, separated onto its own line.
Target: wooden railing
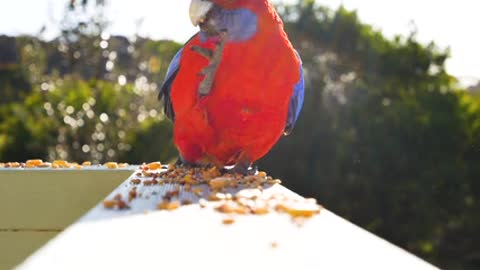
{"x": 37, "y": 205}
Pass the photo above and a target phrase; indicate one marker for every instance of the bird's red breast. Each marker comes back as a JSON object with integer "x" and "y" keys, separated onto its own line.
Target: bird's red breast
{"x": 244, "y": 115}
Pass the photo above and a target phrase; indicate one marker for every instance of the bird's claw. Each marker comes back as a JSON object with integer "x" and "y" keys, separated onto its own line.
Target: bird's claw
{"x": 182, "y": 162}
{"x": 242, "y": 168}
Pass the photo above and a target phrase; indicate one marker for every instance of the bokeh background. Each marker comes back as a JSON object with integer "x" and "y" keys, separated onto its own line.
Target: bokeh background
{"x": 388, "y": 137}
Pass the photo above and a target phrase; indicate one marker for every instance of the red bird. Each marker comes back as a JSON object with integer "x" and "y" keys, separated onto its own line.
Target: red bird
{"x": 235, "y": 87}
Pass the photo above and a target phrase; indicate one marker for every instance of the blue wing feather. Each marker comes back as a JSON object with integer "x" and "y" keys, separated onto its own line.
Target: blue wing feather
{"x": 296, "y": 101}
{"x": 166, "y": 87}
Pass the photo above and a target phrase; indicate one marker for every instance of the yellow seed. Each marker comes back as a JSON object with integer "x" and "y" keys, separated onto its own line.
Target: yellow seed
{"x": 189, "y": 179}
{"x": 33, "y": 163}
{"x": 186, "y": 202}
{"x": 197, "y": 191}
{"x": 228, "y": 221}
{"x": 109, "y": 204}
{"x": 211, "y": 173}
{"x": 154, "y": 165}
{"x": 135, "y": 181}
{"x": 13, "y": 164}
{"x": 61, "y": 164}
{"x": 219, "y": 182}
{"x": 260, "y": 210}
{"x": 45, "y": 165}
{"x": 301, "y": 209}
{"x": 262, "y": 174}
{"x": 274, "y": 182}
{"x": 123, "y": 165}
{"x": 227, "y": 208}
{"x": 87, "y": 163}
{"x": 111, "y": 165}
{"x": 166, "y": 205}
{"x": 78, "y": 167}
{"x": 213, "y": 197}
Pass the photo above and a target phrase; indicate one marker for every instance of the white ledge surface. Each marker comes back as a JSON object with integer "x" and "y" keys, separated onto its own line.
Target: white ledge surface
{"x": 195, "y": 238}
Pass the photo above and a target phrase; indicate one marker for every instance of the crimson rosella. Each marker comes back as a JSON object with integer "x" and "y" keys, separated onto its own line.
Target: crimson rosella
{"x": 235, "y": 87}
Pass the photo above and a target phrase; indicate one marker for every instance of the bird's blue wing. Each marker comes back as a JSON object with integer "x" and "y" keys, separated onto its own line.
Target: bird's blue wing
{"x": 296, "y": 101}
{"x": 166, "y": 87}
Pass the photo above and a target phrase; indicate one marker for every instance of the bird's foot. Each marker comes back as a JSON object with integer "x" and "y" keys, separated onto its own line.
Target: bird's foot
{"x": 182, "y": 162}
{"x": 215, "y": 58}
{"x": 242, "y": 168}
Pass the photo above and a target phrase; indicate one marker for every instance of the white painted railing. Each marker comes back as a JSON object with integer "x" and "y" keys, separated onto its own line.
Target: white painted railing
{"x": 195, "y": 237}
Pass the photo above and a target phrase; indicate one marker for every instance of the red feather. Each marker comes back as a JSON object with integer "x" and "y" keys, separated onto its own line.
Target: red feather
{"x": 244, "y": 115}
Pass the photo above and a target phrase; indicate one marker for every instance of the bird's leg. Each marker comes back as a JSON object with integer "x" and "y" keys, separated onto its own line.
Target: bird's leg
{"x": 215, "y": 58}
{"x": 243, "y": 167}
{"x": 183, "y": 162}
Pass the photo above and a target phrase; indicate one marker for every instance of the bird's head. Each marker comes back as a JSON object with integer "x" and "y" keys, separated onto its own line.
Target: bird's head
{"x": 237, "y": 17}
{"x": 200, "y": 9}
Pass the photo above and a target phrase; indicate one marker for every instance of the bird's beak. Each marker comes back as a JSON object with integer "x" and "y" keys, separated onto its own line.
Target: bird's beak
{"x": 199, "y": 10}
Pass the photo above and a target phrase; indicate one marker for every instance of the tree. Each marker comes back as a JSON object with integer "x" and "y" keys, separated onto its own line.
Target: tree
{"x": 385, "y": 138}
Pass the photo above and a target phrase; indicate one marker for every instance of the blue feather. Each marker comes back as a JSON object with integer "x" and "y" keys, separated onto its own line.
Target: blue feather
{"x": 166, "y": 87}
{"x": 174, "y": 65}
{"x": 241, "y": 24}
{"x": 296, "y": 101}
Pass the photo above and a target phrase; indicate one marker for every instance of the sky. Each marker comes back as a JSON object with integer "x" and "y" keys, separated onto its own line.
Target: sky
{"x": 450, "y": 23}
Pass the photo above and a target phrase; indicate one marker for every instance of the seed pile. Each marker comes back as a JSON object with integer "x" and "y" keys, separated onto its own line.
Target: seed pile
{"x": 227, "y": 193}
{"x": 58, "y": 164}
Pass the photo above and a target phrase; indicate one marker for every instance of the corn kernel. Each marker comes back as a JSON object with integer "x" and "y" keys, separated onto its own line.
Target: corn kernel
{"x": 111, "y": 165}
{"x": 109, "y": 204}
{"x": 302, "y": 209}
{"x": 197, "y": 191}
{"x": 45, "y": 165}
{"x": 166, "y": 205}
{"x": 135, "y": 181}
{"x": 87, "y": 163}
{"x": 13, "y": 164}
{"x": 33, "y": 163}
{"x": 61, "y": 163}
{"x": 189, "y": 179}
{"x": 219, "y": 182}
{"x": 262, "y": 174}
{"x": 228, "y": 221}
{"x": 154, "y": 165}
{"x": 186, "y": 202}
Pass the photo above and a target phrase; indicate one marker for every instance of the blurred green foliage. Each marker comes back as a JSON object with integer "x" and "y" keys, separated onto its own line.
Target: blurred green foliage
{"x": 386, "y": 138}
